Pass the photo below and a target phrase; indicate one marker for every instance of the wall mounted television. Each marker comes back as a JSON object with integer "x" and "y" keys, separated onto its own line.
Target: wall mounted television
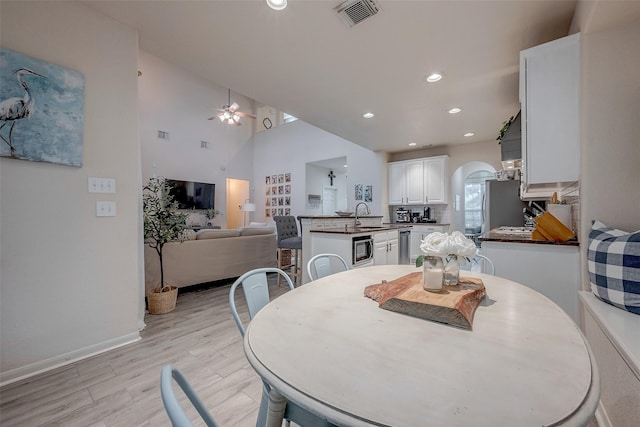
{"x": 193, "y": 195}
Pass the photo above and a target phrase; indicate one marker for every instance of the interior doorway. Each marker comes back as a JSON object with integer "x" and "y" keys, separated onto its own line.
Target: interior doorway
{"x": 237, "y": 195}
{"x": 329, "y": 198}
{"x": 474, "y": 189}
{"x": 459, "y": 197}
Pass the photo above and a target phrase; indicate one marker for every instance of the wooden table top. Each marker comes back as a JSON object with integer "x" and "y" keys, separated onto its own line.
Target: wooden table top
{"x": 334, "y": 352}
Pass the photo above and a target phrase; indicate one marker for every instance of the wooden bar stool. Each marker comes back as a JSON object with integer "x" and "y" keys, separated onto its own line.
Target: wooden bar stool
{"x": 289, "y": 243}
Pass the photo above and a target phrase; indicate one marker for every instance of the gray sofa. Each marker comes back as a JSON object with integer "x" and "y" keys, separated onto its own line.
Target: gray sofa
{"x": 210, "y": 255}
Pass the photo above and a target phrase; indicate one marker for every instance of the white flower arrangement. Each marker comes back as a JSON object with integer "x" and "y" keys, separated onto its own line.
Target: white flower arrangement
{"x": 447, "y": 246}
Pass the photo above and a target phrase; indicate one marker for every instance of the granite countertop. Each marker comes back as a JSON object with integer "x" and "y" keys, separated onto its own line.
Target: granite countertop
{"x": 411, "y": 224}
{"x": 361, "y": 230}
{"x": 492, "y": 236}
{"x": 336, "y": 216}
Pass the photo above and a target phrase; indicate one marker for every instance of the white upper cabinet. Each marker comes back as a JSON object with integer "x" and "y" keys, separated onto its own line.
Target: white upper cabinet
{"x": 549, "y": 94}
{"x": 415, "y": 182}
{"x": 436, "y": 176}
{"x": 419, "y": 181}
{"x": 397, "y": 183}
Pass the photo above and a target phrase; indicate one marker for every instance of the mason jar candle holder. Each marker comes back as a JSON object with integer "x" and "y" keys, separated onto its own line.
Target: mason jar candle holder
{"x": 432, "y": 273}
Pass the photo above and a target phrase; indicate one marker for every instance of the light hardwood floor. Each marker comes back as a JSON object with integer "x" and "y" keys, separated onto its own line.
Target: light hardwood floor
{"x": 122, "y": 387}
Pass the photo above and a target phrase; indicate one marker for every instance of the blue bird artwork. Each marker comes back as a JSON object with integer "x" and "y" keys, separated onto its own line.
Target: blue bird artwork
{"x": 14, "y": 109}
{"x": 41, "y": 110}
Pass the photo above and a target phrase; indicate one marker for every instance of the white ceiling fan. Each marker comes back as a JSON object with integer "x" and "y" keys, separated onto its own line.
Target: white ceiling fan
{"x": 230, "y": 114}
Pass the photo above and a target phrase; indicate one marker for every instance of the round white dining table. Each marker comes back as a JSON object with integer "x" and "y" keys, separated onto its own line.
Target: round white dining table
{"x": 334, "y": 352}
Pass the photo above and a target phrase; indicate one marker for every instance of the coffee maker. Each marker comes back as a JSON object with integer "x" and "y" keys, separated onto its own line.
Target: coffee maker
{"x": 426, "y": 217}
{"x": 403, "y": 215}
{"x": 427, "y": 214}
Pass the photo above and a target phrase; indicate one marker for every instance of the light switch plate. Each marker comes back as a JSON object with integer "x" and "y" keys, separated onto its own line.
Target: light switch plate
{"x": 102, "y": 185}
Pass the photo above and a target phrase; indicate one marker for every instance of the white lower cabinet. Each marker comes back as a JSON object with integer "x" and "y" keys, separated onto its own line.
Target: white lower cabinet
{"x": 385, "y": 247}
{"x": 552, "y": 270}
{"x": 418, "y": 233}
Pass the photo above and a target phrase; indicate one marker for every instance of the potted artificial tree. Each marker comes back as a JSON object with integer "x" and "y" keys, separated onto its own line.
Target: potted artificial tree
{"x": 163, "y": 223}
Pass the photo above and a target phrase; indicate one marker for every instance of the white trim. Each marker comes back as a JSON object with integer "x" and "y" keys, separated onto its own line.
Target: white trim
{"x": 36, "y": 368}
{"x": 601, "y": 416}
{"x": 619, "y": 326}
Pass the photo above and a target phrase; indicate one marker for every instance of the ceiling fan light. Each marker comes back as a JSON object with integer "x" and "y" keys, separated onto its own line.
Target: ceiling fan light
{"x": 434, "y": 77}
{"x": 277, "y": 4}
{"x": 227, "y": 115}
{"x": 230, "y": 121}
{"x": 236, "y": 117}
{"x": 221, "y": 117}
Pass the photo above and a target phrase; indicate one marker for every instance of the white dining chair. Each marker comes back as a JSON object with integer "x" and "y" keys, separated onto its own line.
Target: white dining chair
{"x": 491, "y": 269}
{"x": 255, "y": 287}
{"x": 485, "y": 264}
{"x": 172, "y": 407}
{"x": 322, "y": 265}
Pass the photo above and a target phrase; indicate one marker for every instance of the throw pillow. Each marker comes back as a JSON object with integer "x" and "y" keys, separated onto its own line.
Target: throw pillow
{"x": 614, "y": 266}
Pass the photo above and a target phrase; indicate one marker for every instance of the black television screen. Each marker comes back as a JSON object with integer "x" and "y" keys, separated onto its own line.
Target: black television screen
{"x": 193, "y": 195}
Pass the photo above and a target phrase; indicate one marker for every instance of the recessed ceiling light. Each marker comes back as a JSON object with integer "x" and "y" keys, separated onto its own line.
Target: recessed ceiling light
{"x": 469, "y": 134}
{"x": 434, "y": 77}
{"x": 412, "y": 144}
{"x": 277, "y": 4}
{"x": 455, "y": 110}
{"x": 345, "y": 166}
{"x": 368, "y": 115}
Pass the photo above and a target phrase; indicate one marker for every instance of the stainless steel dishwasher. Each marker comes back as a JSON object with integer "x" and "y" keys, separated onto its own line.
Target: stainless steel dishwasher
{"x": 403, "y": 250}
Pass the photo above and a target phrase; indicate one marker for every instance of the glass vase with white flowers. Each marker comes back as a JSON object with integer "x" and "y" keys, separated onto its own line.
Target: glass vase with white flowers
{"x": 453, "y": 249}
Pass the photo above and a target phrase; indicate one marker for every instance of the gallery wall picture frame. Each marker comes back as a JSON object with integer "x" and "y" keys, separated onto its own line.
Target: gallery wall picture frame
{"x": 358, "y": 192}
{"x": 368, "y": 193}
{"x": 275, "y": 186}
{"x": 41, "y": 110}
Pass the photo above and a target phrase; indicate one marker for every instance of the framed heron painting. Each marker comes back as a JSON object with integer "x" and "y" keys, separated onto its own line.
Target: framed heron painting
{"x": 41, "y": 110}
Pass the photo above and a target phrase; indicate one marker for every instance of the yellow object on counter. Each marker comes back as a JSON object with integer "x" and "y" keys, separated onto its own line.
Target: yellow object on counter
{"x": 548, "y": 227}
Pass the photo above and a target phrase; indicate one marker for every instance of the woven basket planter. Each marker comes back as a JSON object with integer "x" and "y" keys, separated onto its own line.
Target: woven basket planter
{"x": 163, "y": 300}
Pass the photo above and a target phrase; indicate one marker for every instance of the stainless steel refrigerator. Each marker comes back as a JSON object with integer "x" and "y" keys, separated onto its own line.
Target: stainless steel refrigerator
{"x": 502, "y": 205}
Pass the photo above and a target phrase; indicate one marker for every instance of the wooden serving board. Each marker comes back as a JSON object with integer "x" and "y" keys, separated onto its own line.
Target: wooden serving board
{"x": 454, "y": 305}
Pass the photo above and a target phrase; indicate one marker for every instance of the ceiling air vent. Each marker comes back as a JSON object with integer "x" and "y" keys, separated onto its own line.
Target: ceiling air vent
{"x": 356, "y": 11}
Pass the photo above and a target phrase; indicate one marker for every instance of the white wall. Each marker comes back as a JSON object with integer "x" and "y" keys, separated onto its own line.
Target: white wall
{"x": 610, "y": 117}
{"x": 176, "y": 101}
{"x": 71, "y": 283}
{"x": 289, "y": 147}
{"x": 317, "y": 178}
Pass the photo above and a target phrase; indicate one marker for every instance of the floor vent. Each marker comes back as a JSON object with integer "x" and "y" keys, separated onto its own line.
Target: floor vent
{"x": 356, "y": 11}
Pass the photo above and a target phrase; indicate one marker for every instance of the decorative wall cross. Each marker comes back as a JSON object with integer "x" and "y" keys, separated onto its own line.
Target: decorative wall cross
{"x": 331, "y": 176}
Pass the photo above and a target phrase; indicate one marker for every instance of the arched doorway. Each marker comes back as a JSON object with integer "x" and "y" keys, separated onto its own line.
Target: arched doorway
{"x": 458, "y": 190}
{"x": 474, "y": 189}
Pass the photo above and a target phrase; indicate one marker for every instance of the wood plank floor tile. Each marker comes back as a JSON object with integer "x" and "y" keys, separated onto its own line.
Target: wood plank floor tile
{"x": 122, "y": 387}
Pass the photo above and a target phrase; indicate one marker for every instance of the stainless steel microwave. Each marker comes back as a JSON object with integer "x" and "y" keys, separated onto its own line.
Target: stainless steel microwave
{"x": 362, "y": 249}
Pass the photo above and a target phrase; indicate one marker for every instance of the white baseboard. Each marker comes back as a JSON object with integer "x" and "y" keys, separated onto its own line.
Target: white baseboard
{"x": 601, "y": 416}
{"x": 36, "y": 368}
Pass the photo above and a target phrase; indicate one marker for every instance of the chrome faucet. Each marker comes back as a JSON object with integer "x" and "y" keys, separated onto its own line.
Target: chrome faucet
{"x": 357, "y": 220}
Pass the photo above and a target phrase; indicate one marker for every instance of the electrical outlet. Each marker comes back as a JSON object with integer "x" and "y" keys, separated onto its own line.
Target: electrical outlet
{"x": 105, "y": 208}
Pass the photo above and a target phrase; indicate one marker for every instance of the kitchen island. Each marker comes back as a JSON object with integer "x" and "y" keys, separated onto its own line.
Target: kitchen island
{"x": 331, "y": 224}
{"x": 551, "y": 268}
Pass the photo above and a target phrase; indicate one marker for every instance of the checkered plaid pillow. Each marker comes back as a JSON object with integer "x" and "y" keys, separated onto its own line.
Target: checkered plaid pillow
{"x": 614, "y": 266}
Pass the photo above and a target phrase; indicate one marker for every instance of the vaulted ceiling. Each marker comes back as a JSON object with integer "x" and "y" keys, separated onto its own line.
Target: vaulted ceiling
{"x": 306, "y": 61}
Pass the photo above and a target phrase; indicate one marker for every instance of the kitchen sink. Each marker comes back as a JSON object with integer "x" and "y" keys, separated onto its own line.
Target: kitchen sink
{"x": 513, "y": 230}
